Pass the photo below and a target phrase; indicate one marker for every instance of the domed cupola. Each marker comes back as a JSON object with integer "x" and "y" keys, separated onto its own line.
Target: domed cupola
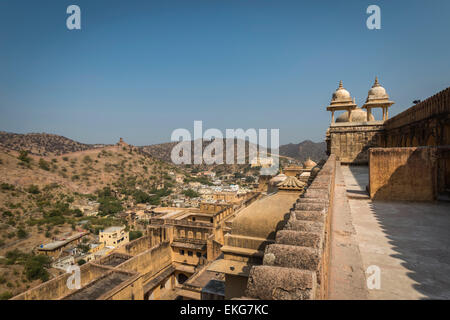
{"x": 377, "y": 97}
{"x": 340, "y": 96}
{"x": 341, "y": 100}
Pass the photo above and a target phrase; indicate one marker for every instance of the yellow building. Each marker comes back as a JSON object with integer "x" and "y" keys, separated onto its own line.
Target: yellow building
{"x": 114, "y": 236}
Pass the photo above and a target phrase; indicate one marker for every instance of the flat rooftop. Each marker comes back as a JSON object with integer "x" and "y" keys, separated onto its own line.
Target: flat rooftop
{"x": 96, "y": 289}
{"x": 57, "y": 244}
{"x": 113, "y": 260}
{"x": 113, "y": 229}
{"x": 408, "y": 241}
{"x": 204, "y": 277}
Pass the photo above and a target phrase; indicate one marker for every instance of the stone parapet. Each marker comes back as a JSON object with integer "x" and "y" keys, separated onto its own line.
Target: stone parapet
{"x": 436, "y": 105}
{"x": 296, "y": 265}
{"x": 277, "y": 283}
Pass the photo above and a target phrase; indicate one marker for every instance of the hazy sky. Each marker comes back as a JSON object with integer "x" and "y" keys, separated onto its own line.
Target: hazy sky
{"x": 140, "y": 69}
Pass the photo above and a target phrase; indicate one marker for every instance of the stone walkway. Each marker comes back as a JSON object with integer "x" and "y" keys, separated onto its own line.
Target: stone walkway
{"x": 408, "y": 241}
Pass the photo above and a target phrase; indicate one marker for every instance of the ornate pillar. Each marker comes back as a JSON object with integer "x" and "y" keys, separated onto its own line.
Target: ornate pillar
{"x": 349, "y": 115}
{"x": 332, "y": 116}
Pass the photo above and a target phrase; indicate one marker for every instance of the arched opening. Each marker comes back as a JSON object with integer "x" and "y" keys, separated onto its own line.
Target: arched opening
{"x": 181, "y": 278}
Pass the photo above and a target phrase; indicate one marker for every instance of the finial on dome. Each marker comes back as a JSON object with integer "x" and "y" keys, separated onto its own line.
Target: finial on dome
{"x": 340, "y": 84}
{"x": 376, "y": 84}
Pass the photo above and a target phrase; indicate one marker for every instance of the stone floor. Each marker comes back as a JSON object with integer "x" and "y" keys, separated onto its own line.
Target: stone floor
{"x": 408, "y": 241}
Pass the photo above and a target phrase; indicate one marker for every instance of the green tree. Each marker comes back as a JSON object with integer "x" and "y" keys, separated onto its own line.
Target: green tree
{"x": 191, "y": 193}
{"x": 35, "y": 267}
{"x": 135, "y": 235}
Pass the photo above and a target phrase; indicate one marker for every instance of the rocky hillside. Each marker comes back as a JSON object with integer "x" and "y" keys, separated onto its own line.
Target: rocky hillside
{"x": 43, "y": 144}
{"x": 304, "y": 150}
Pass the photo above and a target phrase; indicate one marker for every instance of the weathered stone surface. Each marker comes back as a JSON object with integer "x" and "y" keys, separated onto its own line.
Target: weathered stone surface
{"x": 292, "y": 257}
{"x": 299, "y": 238}
{"x": 310, "y": 206}
{"x": 275, "y": 283}
{"x": 404, "y": 173}
{"x": 318, "y": 216}
{"x": 301, "y": 225}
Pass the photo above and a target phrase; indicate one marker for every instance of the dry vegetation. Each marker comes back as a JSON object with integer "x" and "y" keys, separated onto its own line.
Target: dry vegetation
{"x": 37, "y": 194}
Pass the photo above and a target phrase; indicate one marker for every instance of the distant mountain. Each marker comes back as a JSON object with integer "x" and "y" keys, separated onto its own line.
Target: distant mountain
{"x": 301, "y": 151}
{"x": 304, "y": 150}
{"x": 163, "y": 151}
{"x": 43, "y": 144}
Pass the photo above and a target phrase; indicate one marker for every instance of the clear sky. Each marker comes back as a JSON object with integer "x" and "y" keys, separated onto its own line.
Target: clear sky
{"x": 140, "y": 69}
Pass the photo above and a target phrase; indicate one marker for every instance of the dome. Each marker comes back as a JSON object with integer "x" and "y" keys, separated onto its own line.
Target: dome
{"x": 377, "y": 92}
{"x": 341, "y": 94}
{"x": 308, "y": 164}
{"x": 358, "y": 115}
{"x": 277, "y": 179}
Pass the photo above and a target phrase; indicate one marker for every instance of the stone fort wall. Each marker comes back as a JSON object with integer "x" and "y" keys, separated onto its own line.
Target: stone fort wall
{"x": 424, "y": 124}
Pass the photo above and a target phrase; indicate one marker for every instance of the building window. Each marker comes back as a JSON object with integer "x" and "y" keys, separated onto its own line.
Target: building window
{"x": 193, "y": 218}
{"x": 198, "y": 254}
{"x": 182, "y": 252}
{"x": 190, "y": 254}
{"x": 211, "y": 220}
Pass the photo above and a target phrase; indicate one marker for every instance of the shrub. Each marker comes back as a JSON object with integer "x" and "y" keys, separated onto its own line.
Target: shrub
{"x": 135, "y": 235}
{"x": 33, "y": 189}
{"x": 6, "y": 295}
{"x": 6, "y": 186}
{"x": 87, "y": 160}
{"x": 44, "y": 165}
{"x": 21, "y": 233}
{"x": 23, "y": 156}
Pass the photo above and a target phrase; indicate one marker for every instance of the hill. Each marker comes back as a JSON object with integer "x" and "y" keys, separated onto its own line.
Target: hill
{"x": 44, "y": 144}
{"x": 301, "y": 151}
{"x": 304, "y": 150}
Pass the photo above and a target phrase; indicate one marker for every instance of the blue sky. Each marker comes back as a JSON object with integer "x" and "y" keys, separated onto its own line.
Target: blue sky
{"x": 140, "y": 69}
